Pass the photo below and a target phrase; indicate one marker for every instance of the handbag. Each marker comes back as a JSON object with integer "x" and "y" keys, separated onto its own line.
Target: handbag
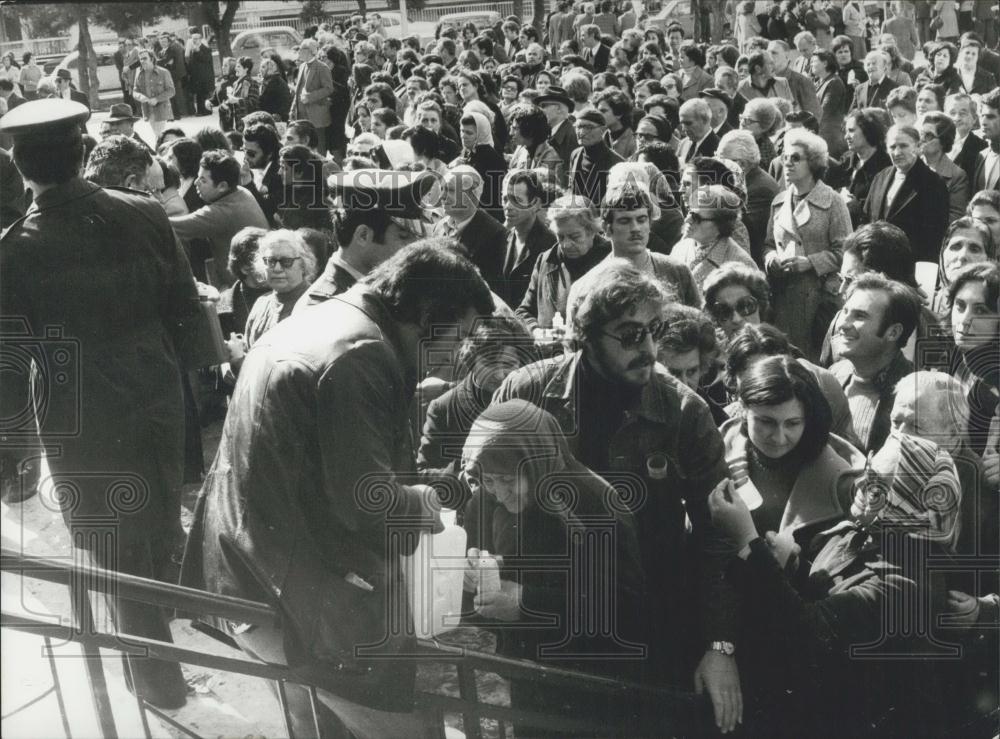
{"x": 936, "y": 22}
{"x": 201, "y": 344}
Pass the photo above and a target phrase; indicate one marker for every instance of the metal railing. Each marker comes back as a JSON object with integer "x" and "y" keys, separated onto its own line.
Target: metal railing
{"x": 40, "y": 47}
{"x": 669, "y": 712}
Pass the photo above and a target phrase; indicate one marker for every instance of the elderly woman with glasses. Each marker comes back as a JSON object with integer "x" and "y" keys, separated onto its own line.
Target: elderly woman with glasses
{"x": 291, "y": 267}
{"x": 713, "y": 211}
{"x": 579, "y": 247}
{"x": 804, "y": 243}
{"x": 937, "y": 136}
{"x": 761, "y": 118}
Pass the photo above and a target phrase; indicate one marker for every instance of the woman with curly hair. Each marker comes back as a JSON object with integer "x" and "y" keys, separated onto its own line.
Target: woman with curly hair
{"x": 530, "y": 132}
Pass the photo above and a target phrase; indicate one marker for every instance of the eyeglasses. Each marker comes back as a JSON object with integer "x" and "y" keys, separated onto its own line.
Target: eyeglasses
{"x": 697, "y": 218}
{"x": 744, "y": 120}
{"x": 744, "y": 306}
{"x": 926, "y": 137}
{"x": 585, "y": 126}
{"x": 793, "y": 158}
{"x": 633, "y": 337}
{"x": 285, "y": 262}
{"x": 647, "y": 136}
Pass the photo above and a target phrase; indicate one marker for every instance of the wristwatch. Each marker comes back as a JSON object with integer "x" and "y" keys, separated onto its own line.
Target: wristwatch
{"x": 723, "y": 647}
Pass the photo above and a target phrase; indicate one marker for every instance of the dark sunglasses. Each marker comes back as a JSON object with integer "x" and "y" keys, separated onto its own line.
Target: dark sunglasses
{"x": 285, "y": 262}
{"x": 794, "y": 157}
{"x": 633, "y": 337}
{"x": 697, "y": 218}
{"x": 744, "y": 306}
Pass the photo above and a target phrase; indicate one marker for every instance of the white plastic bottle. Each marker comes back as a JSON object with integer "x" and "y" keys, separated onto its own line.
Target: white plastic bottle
{"x": 489, "y": 573}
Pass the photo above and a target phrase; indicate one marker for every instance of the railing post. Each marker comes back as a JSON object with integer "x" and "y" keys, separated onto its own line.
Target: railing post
{"x": 469, "y": 693}
{"x": 83, "y": 623}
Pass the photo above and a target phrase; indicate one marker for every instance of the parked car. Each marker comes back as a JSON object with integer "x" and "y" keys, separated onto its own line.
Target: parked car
{"x": 674, "y": 11}
{"x": 482, "y": 19}
{"x": 107, "y": 72}
{"x": 392, "y": 25}
{"x": 283, "y": 39}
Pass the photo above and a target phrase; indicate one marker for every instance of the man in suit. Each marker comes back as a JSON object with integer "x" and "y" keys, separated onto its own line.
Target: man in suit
{"x": 596, "y": 54}
{"x": 696, "y": 123}
{"x": 261, "y": 146}
{"x": 718, "y": 102}
{"x": 802, "y": 87}
{"x": 65, "y": 89}
{"x": 523, "y": 196}
{"x": 910, "y": 195}
{"x": 200, "y": 70}
{"x": 511, "y": 44}
{"x": 987, "y": 174}
{"x": 557, "y": 106}
{"x": 312, "y": 92}
{"x": 121, "y": 122}
{"x": 965, "y": 151}
{"x": 805, "y": 44}
{"x": 482, "y": 236}
{"x": 874, "y": 92}
{"x": 172, "y": 60}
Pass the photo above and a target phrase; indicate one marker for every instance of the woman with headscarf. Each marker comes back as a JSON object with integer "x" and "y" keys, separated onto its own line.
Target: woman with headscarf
{"x": 479, "y": 152}
{"x": 532, "y": 499}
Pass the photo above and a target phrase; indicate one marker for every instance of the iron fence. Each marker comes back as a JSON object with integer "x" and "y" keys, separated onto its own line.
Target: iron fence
{"x": 670, "y": 712}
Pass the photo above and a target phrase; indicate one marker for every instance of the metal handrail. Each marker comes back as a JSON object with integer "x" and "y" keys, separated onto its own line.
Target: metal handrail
{"x": 190, "y": 600}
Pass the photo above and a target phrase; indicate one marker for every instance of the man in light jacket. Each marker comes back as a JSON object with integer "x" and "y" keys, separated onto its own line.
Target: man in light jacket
{"x": 312, "y": 92}
{"x": 153, "y": 90}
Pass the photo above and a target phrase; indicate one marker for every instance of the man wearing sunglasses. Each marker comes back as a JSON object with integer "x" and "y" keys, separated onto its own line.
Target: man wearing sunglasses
{"x": 627, "y": 419}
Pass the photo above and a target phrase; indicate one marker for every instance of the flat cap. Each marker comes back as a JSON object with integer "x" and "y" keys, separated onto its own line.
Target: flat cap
{"x": 717, "y": 94}
{"x": 38, "y": 116}
{"x": 591, "y": 116}
{"x": 399, "y": 193}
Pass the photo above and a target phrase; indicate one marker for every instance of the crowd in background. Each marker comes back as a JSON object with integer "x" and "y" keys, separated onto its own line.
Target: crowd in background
{"x": 759, "y": 276}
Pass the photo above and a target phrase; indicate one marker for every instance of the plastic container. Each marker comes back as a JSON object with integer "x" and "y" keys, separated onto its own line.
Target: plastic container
{"x": 434, "y": 575}
{"x": 489, "y": 573}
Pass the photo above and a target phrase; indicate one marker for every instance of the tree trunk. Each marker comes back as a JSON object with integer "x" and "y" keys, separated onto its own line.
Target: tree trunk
{"x": 363, "y": 7}
{"x": 696, "y": 13}
{"x": 538, "y": 16}
{"x": 87, "y": 67}
{"x": 519, "y": 9}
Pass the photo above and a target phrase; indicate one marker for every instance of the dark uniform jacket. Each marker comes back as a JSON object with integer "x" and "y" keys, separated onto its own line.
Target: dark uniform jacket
{"x": 334, "y": 281}
{"x": 98, "y": 275}
{"x": 321, "y": 403}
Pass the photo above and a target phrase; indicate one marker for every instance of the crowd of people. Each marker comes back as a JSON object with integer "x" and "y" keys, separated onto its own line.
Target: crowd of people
{"x": 700, "y": 343}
